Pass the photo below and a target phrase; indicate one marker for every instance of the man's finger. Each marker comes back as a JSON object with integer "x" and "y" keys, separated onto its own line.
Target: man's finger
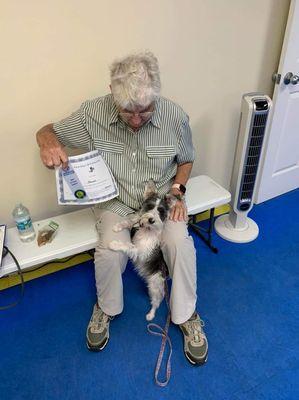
{"x": 171, "y": 214}
{"x": 47, "y": 161}
{"x": 56, "y": 160}
{"x": 181, "y": 215}
{"x": 185, "y": 214}
{"x": 64, "y": 159}
{"x": 176, "y": 214}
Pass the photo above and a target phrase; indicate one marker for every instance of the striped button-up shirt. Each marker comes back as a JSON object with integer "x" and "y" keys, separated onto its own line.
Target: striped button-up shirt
{"x": 134, "y": 157}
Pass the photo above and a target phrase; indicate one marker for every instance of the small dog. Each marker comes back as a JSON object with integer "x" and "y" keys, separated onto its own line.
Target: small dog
{"x": 146, "y": 230}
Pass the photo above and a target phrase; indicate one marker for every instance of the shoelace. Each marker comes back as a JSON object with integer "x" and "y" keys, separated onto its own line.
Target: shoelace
{"x": 192, "y": 328}
{"x": 99, "y": 319}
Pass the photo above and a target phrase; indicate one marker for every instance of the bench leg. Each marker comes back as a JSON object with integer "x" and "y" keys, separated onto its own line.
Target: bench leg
{"x": 207, "y": 238}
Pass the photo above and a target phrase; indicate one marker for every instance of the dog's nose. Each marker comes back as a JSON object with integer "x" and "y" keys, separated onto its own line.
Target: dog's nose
{"x": 151, "y": 220}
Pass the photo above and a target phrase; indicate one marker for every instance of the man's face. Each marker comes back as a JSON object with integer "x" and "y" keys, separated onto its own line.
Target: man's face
{"x": 135, "y": 119}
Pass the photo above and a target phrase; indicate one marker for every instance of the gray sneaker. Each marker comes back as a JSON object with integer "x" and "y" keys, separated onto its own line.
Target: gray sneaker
{"x": 195, "y": 341}
{"x": 97, "y": 333}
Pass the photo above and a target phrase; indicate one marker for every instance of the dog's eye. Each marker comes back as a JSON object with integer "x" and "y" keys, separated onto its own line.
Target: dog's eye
{"x": 148, "y": 207}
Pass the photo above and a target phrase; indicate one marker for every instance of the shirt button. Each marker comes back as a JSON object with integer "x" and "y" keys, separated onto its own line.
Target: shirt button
{"x": 134, "y": 154}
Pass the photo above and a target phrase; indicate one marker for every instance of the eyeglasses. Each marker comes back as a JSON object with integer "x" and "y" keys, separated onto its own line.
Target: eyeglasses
{"x": 142, "y": 115}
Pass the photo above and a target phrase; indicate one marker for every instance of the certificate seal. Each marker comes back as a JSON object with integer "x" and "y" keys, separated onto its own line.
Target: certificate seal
{"x": 80, "y": 194}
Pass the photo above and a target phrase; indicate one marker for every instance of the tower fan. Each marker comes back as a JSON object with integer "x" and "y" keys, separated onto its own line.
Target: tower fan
{"x": 236, "y": 226}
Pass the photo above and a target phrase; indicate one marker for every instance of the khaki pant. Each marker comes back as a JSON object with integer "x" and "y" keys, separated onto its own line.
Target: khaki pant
{"x": 179, "y": 254}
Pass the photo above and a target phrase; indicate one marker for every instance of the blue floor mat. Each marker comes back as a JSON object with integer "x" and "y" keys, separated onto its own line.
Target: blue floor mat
{"x": 247, "y": 296}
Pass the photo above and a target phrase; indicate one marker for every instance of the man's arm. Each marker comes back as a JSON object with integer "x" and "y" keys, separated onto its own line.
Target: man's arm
{"x": 179, "y": 211}
{"x": 183, "y": 172}
{"x": 52, "y": 151}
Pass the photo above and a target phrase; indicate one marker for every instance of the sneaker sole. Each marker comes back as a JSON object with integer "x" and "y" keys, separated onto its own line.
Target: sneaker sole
{"x": 198, "y": 363}
{"x": 97, "y": 348}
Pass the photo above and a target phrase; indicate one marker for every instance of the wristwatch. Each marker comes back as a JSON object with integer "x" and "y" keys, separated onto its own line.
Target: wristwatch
{"x": 180, "y": 187}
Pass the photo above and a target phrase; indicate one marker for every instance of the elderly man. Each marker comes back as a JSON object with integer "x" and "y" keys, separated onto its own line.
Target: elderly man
{"x": 141, "y": 136}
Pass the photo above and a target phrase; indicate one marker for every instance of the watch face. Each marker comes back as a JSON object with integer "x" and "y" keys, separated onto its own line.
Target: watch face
{"x": 182, "y": 188}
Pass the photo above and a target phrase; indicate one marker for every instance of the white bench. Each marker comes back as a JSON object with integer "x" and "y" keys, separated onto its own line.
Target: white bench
{"x": 77, "y": 231}
{"x": 204, "y": 194}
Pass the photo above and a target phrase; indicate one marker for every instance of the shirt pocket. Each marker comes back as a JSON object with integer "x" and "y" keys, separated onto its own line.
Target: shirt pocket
{"x": 160, "y": 151}
{"x": 108, "y": 146}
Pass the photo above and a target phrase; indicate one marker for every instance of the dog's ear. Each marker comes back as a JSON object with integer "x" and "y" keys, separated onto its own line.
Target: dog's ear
{"x": 170, "y": 200}
{"x": 150, "y": 189}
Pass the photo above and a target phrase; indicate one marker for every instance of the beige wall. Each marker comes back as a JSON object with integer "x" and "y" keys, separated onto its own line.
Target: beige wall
{"x": 55, "y": 54}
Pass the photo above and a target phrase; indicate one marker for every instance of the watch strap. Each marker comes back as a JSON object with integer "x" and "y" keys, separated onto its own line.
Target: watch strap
{"x": 179, "y": 197}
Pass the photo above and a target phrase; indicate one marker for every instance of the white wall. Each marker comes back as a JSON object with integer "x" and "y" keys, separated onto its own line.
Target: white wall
{"x": 55, "y": 54}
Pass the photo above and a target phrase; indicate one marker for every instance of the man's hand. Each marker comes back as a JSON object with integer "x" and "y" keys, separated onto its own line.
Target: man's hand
{"x": 179, "y": 212}
{"x": 51, "y": 151}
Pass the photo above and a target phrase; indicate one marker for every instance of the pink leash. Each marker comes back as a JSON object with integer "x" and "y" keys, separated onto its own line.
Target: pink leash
{"x": 165, "y": 339}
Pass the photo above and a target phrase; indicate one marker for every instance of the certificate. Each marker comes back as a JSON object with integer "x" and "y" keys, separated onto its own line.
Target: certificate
{"x": 87, "y": 180}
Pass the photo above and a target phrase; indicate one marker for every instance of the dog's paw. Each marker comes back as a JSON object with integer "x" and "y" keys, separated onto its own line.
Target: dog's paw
{"x": 115, "y": 245}
{"x": 118, "y": 227}
{"x": 150, "y": 316}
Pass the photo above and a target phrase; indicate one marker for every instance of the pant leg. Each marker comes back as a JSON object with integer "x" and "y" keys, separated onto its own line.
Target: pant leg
{"x": 180, "y": 257}
{"x": 109, "y": 264}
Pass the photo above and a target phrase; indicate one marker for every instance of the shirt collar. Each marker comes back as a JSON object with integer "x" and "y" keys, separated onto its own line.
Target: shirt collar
{"x": 113, "y": 113}
{"x": 156, "y": 117}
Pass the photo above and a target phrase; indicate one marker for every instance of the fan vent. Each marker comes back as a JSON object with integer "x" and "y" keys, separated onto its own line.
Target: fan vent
{"x": 253, "y": 153}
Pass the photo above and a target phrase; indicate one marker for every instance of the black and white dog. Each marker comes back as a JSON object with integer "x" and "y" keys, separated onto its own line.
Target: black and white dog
{"x": 146, "y": 230}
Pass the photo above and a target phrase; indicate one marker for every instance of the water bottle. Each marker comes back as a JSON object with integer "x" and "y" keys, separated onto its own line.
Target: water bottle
{"x": 24, "y": 224}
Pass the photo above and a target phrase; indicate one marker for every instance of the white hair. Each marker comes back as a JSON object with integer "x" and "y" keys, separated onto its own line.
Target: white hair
{"x": 135, "y": 80}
